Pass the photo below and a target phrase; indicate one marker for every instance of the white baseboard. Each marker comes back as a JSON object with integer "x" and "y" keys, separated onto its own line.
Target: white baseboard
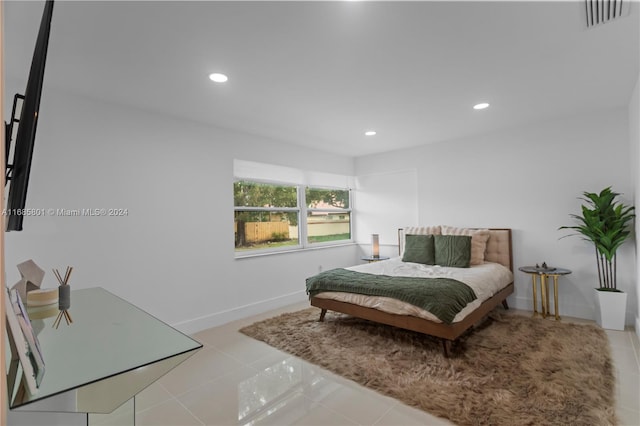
{"x": 637, "y": 326}
{"x": 223, "y": 317}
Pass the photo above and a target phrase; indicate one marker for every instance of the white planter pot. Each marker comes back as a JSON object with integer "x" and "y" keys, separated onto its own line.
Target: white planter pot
{"x": 611, "y": 309}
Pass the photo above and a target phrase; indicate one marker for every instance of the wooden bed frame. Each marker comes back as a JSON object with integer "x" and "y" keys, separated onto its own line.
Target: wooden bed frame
{"x": 498, "y": 250}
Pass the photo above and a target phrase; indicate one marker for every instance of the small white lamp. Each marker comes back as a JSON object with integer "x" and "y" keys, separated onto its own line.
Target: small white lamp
{"x": 375, "y": 245}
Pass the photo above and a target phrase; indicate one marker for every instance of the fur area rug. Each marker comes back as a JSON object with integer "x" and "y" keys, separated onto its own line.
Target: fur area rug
{"x": 510, "y": 370}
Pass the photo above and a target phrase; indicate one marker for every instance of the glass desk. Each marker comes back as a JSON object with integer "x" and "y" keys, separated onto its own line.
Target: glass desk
{"x": 110, "y": 352}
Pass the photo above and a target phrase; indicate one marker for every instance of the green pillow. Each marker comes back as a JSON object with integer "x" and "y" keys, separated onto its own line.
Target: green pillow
{"x": 453, "y": 250}
{"x": 419, "y": 249}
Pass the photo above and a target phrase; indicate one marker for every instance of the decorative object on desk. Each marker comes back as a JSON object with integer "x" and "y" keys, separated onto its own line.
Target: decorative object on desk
{"x": 19, "y": 351}
{"x": 605, "y": 222}
{"x": 42, "y": 297}
{"x": 31, "y": 279}
{"x": 375, "y": 246}
{"x": 64, "y": 296}
{"x": 42, "y": 312}
{"x": 34, "y": 351}
{"x": 64, "y": 299}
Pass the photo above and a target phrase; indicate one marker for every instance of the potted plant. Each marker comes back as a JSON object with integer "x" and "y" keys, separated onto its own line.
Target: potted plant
{"x": 605, "y": 222}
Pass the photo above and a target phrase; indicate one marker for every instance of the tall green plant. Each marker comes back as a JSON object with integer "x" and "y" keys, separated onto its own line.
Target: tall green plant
{"x": 604, "y": 222}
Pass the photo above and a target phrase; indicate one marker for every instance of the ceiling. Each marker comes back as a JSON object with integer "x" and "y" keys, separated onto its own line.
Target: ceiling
{"x": 319, "y": 74}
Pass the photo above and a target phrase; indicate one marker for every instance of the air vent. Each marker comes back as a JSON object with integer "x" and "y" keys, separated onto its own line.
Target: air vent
{"x": 599, "y": 12}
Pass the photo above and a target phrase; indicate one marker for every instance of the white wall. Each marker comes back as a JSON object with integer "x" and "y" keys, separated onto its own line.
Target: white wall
{"x": 634, "y": 141}
{"x": 385, "y": 202}
{"x": 527, "y": 179}
{"x": 173, "y": 255}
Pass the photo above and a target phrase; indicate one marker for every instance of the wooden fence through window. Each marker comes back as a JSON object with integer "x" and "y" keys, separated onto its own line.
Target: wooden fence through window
{"x": 258, "y": 232}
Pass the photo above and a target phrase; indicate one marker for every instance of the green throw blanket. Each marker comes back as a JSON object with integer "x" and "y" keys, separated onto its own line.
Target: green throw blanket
{"x": 443, "y": 297}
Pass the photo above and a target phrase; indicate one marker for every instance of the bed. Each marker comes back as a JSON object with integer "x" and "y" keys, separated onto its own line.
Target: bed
{"x": 491, "y": 279}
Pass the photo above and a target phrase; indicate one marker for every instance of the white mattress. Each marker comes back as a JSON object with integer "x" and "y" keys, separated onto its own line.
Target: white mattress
{"x": 485, "y": 280}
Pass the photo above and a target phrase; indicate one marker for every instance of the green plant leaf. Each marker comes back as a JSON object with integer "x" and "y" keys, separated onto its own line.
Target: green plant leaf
{"x": 604, "y": 222}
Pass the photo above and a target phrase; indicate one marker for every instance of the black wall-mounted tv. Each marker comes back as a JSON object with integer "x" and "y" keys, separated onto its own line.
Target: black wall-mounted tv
{"x": 17, "y": 172}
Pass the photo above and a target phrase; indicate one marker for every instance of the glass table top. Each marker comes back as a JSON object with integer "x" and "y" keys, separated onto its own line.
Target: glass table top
{"x": 546, "y": 271}
{"x": 108, "y": 336}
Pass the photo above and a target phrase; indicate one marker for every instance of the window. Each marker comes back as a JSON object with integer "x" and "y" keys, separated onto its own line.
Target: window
{"x": 268, "y": 216}
{"x": 328, "y": 214}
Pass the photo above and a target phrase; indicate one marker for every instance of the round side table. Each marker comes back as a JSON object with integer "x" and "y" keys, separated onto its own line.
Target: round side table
{"x": 544, "y": 274}
{"x": 371, "y": 259}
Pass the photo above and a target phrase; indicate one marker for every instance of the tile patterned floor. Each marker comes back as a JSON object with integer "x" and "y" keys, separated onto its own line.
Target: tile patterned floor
{"x": 235, "y": 380}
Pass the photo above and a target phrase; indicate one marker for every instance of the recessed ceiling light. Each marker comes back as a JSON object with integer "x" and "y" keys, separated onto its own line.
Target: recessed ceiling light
{"x": 482, "y": 105}
{"x": 218, "y": 78}
{"x": 370, "y": 133}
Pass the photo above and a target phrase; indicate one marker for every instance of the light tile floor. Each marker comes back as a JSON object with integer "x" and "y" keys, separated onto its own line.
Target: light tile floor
{"x": 236, "y": 380}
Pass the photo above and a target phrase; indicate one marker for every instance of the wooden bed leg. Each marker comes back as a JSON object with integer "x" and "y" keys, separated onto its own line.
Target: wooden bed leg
{"x": 446, "y": 346}
{"x": 505, "y": 304}
{"x": 322, "y": 314}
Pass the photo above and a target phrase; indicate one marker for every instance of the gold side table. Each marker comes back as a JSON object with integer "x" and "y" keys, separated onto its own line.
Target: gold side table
{"x": 544, "y": 274}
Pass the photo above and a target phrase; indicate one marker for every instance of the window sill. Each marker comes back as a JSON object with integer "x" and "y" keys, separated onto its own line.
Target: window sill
{"x": 296, "y": 250}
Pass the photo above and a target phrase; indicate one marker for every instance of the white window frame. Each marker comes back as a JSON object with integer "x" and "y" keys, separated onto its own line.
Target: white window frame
{"x": 302, "y": 209}
{"x": 348, "y": 210}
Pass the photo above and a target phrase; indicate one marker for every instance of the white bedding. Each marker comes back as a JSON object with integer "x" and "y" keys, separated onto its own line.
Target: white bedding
{"x": 485, "y": 280}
